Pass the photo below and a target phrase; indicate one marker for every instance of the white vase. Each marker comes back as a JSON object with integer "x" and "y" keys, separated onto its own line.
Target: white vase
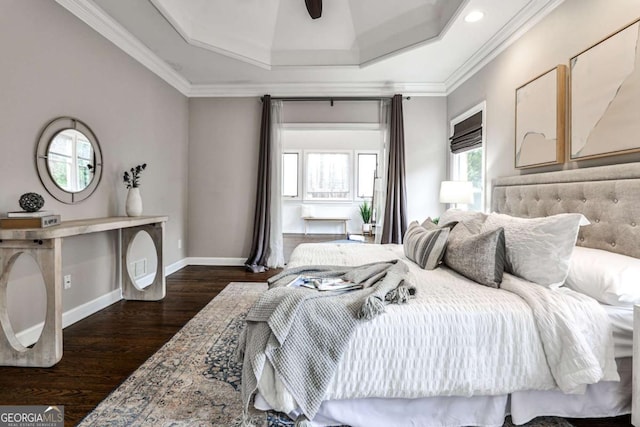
{"x": 134, "y": 202}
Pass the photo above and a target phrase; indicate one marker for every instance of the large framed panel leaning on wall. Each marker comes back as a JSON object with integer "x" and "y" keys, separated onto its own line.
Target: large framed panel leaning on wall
{"x": 605, "y": 96}
{"x": 541, "y": 119}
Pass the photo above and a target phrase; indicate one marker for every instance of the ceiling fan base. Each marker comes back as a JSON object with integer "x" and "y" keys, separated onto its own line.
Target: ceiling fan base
{"x": 314, "y": 7}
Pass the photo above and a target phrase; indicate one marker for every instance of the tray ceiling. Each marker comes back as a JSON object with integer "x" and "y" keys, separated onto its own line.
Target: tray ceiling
{"x": 249, "y": 47}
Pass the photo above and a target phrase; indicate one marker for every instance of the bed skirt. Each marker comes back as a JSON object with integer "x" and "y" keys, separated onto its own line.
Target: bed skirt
{"x": 604, "y": 399}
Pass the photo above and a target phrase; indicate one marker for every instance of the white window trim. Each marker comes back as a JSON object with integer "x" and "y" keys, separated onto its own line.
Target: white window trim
{"x": 451, "y": 164}
{"x": 300, "y": 183}
{"x": 306, "y": 153}
{"x": 356, "y": 172}
{"x": 332, "y": 126}
{"x": 302, "y": 159}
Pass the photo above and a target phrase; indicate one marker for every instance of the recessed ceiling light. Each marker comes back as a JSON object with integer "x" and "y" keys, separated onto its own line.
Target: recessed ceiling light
{"x": 474, "y": 16}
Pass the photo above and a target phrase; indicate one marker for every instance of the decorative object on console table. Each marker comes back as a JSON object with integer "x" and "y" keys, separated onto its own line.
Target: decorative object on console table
{"x": 133, "y": 205}
{"x": 25, "y": 214}
{"x": 34, "y": 222}
{"x": 605, "y": 97}
{"x": 540, "y": 119}
{"x": 31, "y": 202}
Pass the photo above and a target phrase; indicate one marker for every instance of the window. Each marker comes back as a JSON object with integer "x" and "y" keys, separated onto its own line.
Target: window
{"x": 327, "y": 176}
{"x": 467, "y": 166}
{"x": 467, "y": 152}
{"x": 367, "y": 164}
{"x": 290, "y": 174}
{"x": 333, "y": 163}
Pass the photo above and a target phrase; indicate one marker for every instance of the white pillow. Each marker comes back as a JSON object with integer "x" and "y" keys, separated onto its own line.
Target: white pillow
{"x": 538, "y": 249}
{"x": 610, "y": 278}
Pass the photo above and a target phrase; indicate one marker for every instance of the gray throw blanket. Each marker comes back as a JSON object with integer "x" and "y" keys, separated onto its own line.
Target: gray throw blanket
{"x": 303, "y": 332}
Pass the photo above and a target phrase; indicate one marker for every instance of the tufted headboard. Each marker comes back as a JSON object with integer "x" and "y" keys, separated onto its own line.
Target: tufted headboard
{"x": 609, "y": 196}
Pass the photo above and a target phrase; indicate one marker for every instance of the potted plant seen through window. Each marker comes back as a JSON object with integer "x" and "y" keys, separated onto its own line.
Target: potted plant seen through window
{"x": 365, "y": 214}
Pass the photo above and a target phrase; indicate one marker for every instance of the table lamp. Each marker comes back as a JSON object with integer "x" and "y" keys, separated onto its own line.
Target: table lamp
{"x": 456, "y": 192}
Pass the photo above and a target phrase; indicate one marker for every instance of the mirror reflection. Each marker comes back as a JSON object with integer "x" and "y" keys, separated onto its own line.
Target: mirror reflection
{"x": 142, "y": 260}
{"x": 70, "y": 160}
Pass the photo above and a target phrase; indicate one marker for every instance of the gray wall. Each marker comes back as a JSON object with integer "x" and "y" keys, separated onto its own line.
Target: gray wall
{"x": 223, "y": 160}
{"x": 426, "y": 151}
{"x": 223, "y": 156}
{"x": 54, "y": 65}
{"x": 572, "y": 27}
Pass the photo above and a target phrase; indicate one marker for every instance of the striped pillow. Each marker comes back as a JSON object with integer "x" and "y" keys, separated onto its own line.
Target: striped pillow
{"x": 425, "y": 247}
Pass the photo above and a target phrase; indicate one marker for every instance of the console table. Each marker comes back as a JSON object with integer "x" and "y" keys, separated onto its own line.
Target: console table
{"x": 308, "y": 219}
{"x": 45, "y": 246}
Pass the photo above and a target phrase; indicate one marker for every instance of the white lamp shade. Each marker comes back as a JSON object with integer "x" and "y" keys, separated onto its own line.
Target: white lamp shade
{"x": 456, "y": 192}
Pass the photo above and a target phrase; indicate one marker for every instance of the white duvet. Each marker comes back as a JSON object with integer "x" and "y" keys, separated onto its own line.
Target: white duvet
{"x": 459, "y": 338}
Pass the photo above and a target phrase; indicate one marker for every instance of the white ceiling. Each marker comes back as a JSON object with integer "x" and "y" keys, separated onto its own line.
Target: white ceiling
{"x": 276, "y": 33}
{"x": 357, "y": 47}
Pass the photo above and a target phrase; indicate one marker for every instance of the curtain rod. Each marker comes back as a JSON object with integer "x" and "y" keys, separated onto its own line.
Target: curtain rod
{"x": 333, "y": 98}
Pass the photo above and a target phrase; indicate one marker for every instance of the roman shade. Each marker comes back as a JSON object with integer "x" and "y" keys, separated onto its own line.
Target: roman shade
{"x": 467, "y": 134}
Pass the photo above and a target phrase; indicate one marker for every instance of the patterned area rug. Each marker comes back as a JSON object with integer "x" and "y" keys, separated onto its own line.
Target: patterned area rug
{"x": 194, "y": 380}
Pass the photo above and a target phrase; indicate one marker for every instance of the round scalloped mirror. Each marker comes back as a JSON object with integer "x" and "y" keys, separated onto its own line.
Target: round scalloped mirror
{"x": 69, "y": 160}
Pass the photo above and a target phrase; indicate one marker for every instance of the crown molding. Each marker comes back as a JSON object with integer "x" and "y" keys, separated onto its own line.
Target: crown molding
{"x": 526, "y": 19}
{"x": 92, "y": 15}
{"x": 317, "y": 89}
{"x": 100, "y": 21}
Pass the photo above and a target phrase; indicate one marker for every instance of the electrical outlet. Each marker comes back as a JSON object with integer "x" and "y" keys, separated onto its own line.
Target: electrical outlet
{"x": 67, "y": 281}
{"x": 179, "y": 243}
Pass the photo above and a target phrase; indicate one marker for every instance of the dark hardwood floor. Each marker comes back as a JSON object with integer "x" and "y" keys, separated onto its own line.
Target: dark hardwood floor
{"x": 102, "y": 350}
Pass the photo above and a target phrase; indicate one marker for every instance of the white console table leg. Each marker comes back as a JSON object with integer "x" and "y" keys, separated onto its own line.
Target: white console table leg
{"x": 157, "y": 289}
{"x": 48, "y": 350}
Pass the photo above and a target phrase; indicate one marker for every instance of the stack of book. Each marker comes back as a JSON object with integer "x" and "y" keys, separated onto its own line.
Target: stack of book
{"x": 23, "y": 219}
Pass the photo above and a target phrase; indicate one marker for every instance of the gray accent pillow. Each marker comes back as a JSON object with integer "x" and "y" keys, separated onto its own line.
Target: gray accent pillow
{"x": 538, "y": 249}
{"x": 473, "y": 219}
{"x": 478, "y": 256}
{"x": 425, "y": 247}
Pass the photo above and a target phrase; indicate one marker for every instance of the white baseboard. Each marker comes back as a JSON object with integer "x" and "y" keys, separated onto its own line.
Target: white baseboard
{"x": 30, "y": 335}
{"x": 146, "y": 280}
{"x": 178, "y": 265}
{"x": 228, "y": 262}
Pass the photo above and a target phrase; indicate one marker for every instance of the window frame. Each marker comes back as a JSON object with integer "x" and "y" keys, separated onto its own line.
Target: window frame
{"x": 299, "y": 166}
{"x": 305, "y": 168}
{"x": 453, "y": 164}
{"x": 356, "y": 173}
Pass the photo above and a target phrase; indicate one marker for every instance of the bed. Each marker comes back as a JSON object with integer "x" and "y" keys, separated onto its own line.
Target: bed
{"x": 464, "y": 354}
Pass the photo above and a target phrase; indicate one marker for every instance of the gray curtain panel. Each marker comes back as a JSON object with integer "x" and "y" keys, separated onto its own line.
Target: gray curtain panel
{"x": 395, "y": 214}
{"x": 257, "y": 260}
